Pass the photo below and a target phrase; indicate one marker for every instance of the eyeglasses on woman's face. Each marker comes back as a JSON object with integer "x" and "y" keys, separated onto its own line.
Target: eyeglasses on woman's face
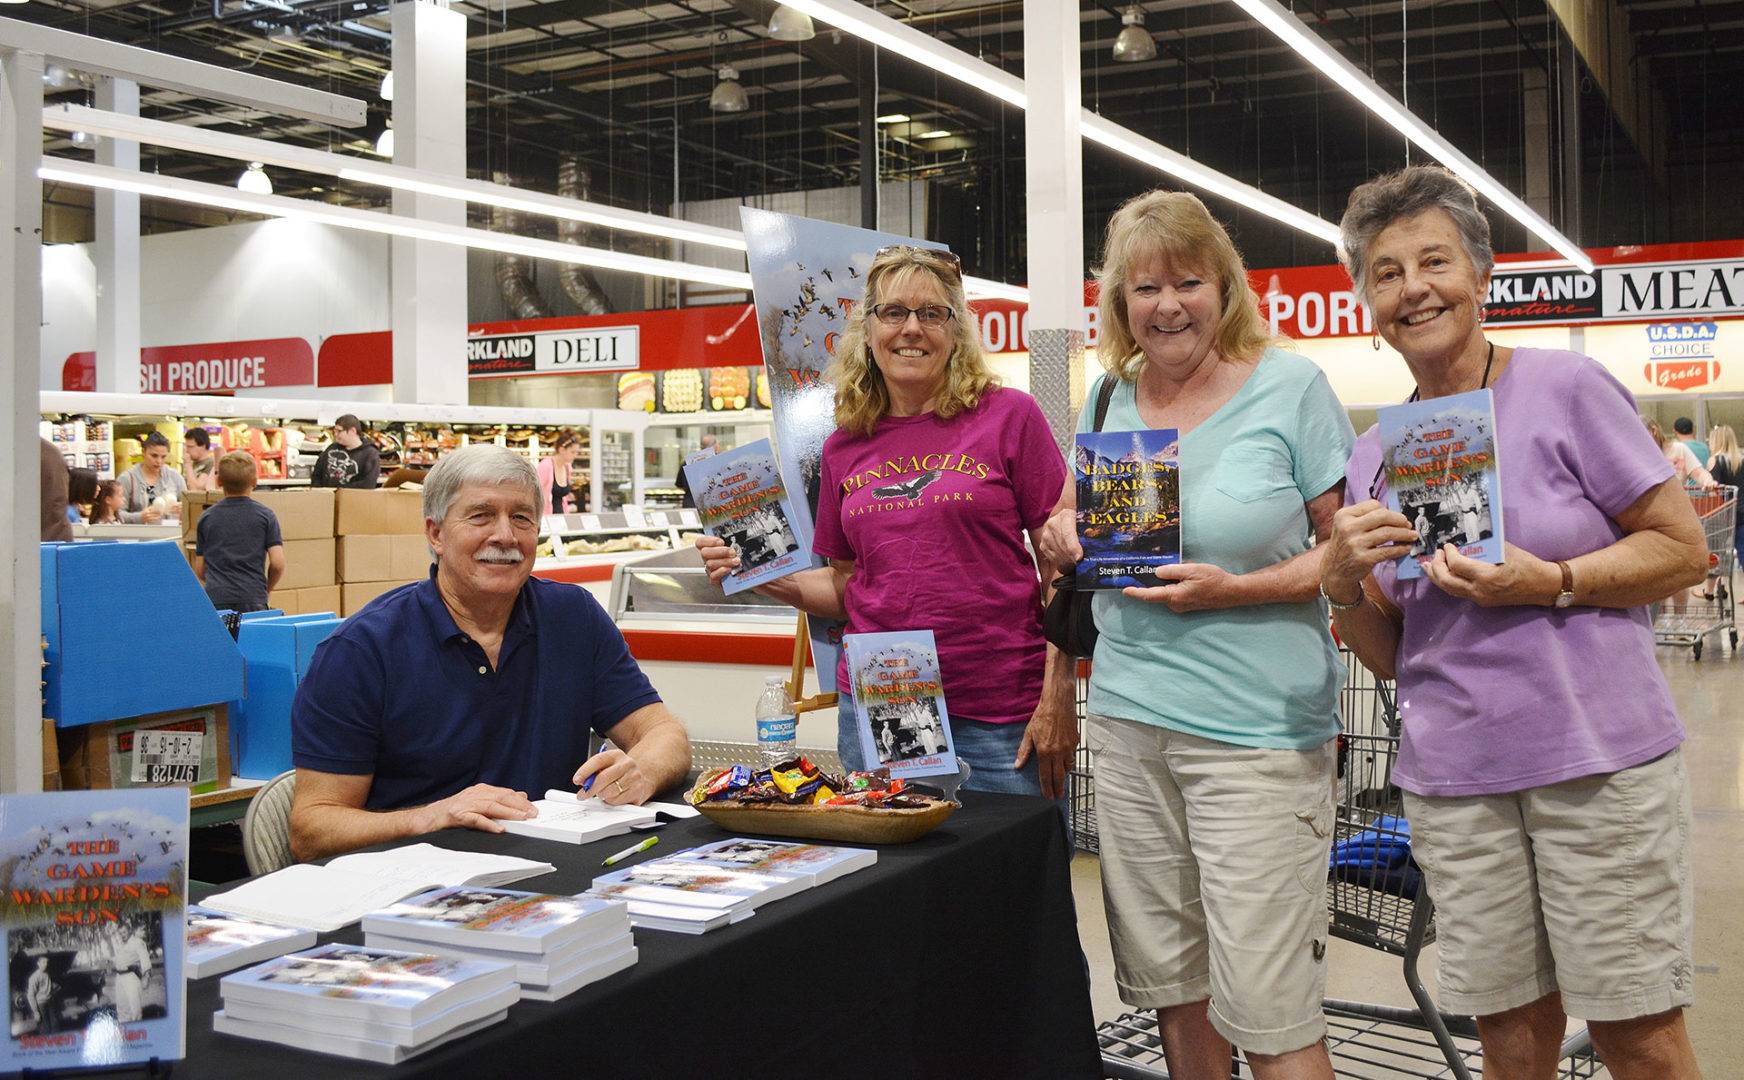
{"x": 931, "y": 316}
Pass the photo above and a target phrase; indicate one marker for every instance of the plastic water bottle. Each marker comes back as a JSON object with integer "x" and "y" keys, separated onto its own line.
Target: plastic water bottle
{"x": 777, "y": 723}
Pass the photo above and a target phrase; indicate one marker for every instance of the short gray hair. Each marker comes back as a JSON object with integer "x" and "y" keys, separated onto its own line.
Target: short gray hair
{"x": 1411, "y": 191}
{"x": 488, "y": 465}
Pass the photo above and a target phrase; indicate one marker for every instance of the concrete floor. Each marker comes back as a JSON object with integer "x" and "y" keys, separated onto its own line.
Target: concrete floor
{"x": 1710, "y": 698}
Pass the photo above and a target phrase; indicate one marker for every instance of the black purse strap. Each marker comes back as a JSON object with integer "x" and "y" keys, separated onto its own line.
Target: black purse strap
{"x": 1104, "y": 394}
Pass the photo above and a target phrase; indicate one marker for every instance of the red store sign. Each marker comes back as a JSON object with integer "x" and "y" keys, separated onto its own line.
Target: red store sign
{"x": 221, "y": 367}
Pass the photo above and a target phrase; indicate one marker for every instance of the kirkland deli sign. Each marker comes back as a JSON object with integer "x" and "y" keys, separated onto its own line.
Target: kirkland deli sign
{"x": 554, "y": 352}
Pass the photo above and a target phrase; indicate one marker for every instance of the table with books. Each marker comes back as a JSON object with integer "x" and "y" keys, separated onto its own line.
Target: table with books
{"x": 956, "y": 955}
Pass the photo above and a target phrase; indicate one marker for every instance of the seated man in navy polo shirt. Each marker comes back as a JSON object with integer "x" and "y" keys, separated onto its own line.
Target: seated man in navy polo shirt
{"x": 448, "y": 702}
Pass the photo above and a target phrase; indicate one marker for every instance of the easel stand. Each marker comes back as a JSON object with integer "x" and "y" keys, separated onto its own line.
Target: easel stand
{"x": 153, "y": 1069}
{"x": 796, "y": 684}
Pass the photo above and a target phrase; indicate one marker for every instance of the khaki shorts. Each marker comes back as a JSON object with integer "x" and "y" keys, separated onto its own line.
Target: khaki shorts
{"x": 1238, "y": 916}
{"x": 1582, "y": 887}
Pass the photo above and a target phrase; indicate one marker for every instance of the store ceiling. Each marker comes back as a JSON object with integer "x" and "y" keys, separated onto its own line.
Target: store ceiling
{"x": 626, "y": 85}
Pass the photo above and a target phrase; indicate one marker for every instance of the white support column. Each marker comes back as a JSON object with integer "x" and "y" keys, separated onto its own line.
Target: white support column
{"x": 429, "y": 279}
{"x": 1053, "y": 167}
{"x": 20, "y": 486}
{"x": 117, "y": 253}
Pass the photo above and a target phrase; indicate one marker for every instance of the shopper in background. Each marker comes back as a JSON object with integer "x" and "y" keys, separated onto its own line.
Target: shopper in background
{"x": 1547, "y": 796}
{"x": 928, "y": 485}
{"x": 350, "y": 460}
{"x": 55, "y": 525}
{"x": 199, "y": 462}
{"x": 106, "y": 507}
{"x": 1213, "y": 703}
{"x": 234, "y": 538}
{"x": 152, "y": 490}
{"x": 443, "y": 703}
{"x": 81, "y": 492}
{"x": 1690, "y": 471}
{"x": 1686, "y": 434}
{"x": 709, "y": 442}
{"x": 1727, "y": 466}
{"x": 557, "y": 475}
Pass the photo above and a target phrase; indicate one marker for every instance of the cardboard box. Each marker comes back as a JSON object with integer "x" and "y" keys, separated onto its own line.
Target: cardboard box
{"x": 409, "y": 558}
{"x": 366, "y": 558}
{"x": 309, "y": 564}
{"x": 102, "y": 756}
{"x": 325, "y": 598}
{"x": 358, "y": 593}
{"x": 51, "y": 758}
{"x": 304, "y": 514}
{"x": 384, "y": 512}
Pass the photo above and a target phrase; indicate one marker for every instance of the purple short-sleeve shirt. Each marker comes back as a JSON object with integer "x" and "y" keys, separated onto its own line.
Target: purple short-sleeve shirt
{"x": 933, "y": 512}
{"x": 1502, "y": 699}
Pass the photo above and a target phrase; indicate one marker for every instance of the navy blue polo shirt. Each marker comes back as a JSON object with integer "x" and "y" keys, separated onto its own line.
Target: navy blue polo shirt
{"x": 398, "y": 692}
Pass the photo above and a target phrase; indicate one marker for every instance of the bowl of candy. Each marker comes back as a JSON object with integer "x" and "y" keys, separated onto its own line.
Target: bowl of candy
{"x": 796, "y": 798}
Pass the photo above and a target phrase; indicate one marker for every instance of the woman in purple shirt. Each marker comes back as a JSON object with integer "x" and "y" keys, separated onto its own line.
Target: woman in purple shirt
{"x": 1540, "y": 755}
{"x": 930, "y": 482}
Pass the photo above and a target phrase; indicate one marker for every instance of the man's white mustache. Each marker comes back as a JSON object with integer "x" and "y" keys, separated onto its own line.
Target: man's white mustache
{"x": 499, "y": 555}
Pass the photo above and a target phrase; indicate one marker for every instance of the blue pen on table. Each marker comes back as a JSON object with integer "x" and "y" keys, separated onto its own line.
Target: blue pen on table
{"x": 636, "y": 849}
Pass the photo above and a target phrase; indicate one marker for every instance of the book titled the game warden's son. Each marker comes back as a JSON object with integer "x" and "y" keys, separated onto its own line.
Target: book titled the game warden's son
{"x": 1129, "y": 506}
{"x": 1439, "y": 460}
{"x": 741, "y": 499}
{"x": 899, "y": 701}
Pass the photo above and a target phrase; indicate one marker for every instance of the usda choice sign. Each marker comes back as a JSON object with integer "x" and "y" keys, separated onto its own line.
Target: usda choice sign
{"x": 554, "y": 352}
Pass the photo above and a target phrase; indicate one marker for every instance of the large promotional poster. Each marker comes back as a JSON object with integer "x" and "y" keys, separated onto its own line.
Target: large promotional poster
{"x": 808, "y": 277}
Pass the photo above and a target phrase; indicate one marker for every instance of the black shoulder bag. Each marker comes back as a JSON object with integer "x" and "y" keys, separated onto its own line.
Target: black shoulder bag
{"x": 1067, "y": 622}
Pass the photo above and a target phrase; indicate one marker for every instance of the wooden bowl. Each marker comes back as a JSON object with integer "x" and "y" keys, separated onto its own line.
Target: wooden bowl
{"x": 854, "y": 824}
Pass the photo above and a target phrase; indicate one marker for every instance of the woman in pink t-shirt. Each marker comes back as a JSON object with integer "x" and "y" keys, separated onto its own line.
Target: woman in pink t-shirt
{"x": 1539, "y": 755}
{"x": 926, "y": 491}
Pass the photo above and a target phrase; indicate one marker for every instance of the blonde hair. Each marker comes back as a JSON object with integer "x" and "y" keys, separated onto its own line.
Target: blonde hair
{"x": 1659, "y": 437}
{"x": 1175, "y": 228}
{"x": 1723, "y": 445}
{"x": 862, "y": 399}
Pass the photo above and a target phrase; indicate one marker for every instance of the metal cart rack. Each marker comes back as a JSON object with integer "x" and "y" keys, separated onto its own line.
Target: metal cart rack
{"x": 1686, "y": 620}
{"x": 1382, "y": 905}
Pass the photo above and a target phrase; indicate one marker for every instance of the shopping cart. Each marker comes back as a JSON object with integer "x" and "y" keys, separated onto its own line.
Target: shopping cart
{"x": 1688, "y": 618}
{"x": 1377, "y": 898}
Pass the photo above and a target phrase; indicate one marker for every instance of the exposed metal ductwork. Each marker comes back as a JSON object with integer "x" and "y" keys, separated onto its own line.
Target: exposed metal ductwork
{"x": 515, "y": 272}
{"x": 583, "y": 288}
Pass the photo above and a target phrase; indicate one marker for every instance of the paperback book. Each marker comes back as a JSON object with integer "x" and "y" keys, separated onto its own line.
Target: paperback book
{"x": 531, "y": 969}
{"x": 565, "y": 817}
{"x": 218, "y": 942}
{"x": 504, "y": 920}
{"x": 378, "y": 986}
{"x": 93, "y": 885}
{"x": 815, "y": 864}
{"x": 1438, "y": 458}
{"x": 693, "y": 884}
{"x": 742, "y": 500}
{"x": 1129, "y": 506}
{"x": 899, "y": 702}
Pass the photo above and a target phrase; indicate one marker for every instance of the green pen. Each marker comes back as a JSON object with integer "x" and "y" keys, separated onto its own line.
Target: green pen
{"x": 613, "y": 860}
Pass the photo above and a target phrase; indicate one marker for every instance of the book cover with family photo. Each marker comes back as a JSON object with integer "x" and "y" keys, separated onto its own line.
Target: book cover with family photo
{"x": 899, "y": 700}
{"x": 1129, "y": 506}
{"x": 93, "y": 885}
{"x": 742, "y": 500}
{"x": 1439, "y": 461}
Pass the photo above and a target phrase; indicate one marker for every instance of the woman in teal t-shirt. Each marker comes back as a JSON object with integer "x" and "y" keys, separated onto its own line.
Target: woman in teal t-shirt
{"x": 1214, "y": 698}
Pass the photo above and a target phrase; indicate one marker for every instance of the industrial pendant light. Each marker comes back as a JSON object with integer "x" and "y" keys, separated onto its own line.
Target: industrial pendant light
{"x": 384, "y": 143}
{"x": 387, "y": 87}
{"x": 728, "y": 95}
{"x": 790, "y": 25}
{"x": 254, "y": 180}
{"x": 1134, "y": 43}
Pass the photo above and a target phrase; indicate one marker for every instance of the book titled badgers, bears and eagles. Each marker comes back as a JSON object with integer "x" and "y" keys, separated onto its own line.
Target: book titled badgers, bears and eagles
{"x": 742, "y": 500}
{"x": 1129, "y": 506}
{"x": 1439, "y": 460}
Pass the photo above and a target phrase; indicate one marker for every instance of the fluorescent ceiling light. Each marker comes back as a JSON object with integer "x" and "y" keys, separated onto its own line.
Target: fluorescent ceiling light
{"x": 367, "y": 171}
{"x": 982, "y": 289}
{"x": 1290, "y": 30}
{"x": 84, "y": 174}
{"x": 1535, "y": 264}
{"x": 935, "y": 133}
{"x": 887, "y": 33}
{"x": 894, "y": 118}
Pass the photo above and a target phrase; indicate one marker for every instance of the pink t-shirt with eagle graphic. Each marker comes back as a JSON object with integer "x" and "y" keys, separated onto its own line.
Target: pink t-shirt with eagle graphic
{"x": 933, "y": 514}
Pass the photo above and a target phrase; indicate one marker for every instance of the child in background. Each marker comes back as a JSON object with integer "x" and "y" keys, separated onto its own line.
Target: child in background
{"x": 234, "y": 538}
{"x": 106, "y": 507}
{"x": 81, "y": 493}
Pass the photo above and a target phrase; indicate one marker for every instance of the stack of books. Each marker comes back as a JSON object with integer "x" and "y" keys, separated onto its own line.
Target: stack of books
{"x": 378, "y": 1005}
{"x": 701, "y": 889}
{"x": 218, "y": 942}
{"x": 557, "y": 944}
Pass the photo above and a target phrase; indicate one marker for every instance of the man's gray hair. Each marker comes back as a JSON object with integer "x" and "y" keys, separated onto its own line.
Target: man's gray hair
{"x": 487, "y": 465}
{"x": 1411, "y": 191}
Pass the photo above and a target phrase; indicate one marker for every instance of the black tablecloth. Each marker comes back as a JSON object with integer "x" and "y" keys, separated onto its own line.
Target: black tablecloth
{"x": 955, "y": 956}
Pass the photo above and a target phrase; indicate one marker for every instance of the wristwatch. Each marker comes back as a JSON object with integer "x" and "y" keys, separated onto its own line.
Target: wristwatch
{"x": 1566, "y": 596}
